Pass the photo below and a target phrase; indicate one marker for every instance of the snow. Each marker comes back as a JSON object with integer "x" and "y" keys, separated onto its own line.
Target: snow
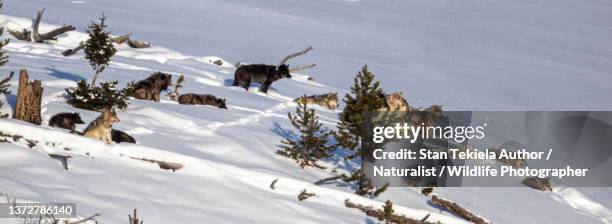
{"x": 476, "y": 55}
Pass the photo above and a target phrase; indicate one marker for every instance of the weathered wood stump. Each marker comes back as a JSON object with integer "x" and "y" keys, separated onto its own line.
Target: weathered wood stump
{"x": 29, "y": 98}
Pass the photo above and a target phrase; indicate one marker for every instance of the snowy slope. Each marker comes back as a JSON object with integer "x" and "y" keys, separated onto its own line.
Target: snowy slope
{"x": 464, "y": 55}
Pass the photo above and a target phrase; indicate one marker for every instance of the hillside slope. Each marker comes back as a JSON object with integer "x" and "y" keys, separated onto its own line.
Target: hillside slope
{"x": 461, "y": 55}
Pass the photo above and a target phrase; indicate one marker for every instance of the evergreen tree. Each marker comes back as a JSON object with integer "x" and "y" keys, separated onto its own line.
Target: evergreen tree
{"x": 3, "y": 43}
{"x": 98, "y": 48}
{"x": 4, "y": 85}
{"x": 312, "y": 144}
{"x": 367, "y": 96}
{"x": 388, "y": 212}
{"x": 98, "y": 98}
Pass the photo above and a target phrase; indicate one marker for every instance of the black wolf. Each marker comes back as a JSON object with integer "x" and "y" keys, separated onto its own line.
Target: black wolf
{"x": 119, "y": 137}
{"x": 202, "y": 99}
{"x": 66, "y": 121}
{"x": 260, "y": 73}
{"x": 151, "y": 87}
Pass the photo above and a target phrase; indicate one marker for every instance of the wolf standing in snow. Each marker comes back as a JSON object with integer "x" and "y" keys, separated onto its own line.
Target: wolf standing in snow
{"x": 263, "y": 74}
{"x": 102, "y": 126}
{"x": 329, "y": 100}
{"x": 151, "y": 87}
{"x": 66, "y": 121}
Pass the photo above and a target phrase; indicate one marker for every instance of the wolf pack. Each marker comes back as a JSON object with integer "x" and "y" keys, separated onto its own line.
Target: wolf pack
{"x": 151, "y": 88}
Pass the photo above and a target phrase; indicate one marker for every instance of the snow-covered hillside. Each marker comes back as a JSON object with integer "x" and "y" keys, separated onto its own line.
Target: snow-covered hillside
{"x": 476, "y": 55}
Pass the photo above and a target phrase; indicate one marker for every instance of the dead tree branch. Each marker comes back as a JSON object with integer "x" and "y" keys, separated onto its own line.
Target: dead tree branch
{"x": 134, "y": 220}
{"x": 305, "y": 195}
{"x": 36, "y": 23}
{"x": 301, "y": 68}
{"x": 51, "y": 35}
{"x": 322, "y": 181}
{"x": 24, "y": 35}
{"x": 35, "y": 36}
{"x": 273, "y": 183}
{"x": 118, "y": 40}
{"x": 162, "y": 164}
{"x": 458, "y": 210}
{"x": 85, "y": 219}
{"x": 296, "y": 54}
{"x": 138, "y": 44}
{"x": 380, "y": 214}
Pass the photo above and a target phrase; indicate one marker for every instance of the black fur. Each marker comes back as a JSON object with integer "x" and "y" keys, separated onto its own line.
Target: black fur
{"x": 202, "y": 99}
{"x": 150, "y": 88}
{"x": 260, "y": 73}
{"x": 66, "y": 121}
{"x": 119, "y": 137}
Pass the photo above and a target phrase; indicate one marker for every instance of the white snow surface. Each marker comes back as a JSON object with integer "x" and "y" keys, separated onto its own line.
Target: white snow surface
{"x": 472, "y": 55}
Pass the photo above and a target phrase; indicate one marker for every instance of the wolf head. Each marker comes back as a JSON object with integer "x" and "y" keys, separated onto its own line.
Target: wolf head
{"x": 396, "y": 102}
{"x": 221, "y": 103}
{"x": 109, "y": 117}
{"x": 332, "y": 100}
{"x": 162, "y": 80}
{"x": 283, "y": 71}
{"x": 76, "y": 118}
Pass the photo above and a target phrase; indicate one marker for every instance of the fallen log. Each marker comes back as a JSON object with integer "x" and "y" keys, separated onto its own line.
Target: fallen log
{"x": 305, "y": 195}
{"x": 162, "y": 164}
{"x": 118, "y": 40}
{"x": 457, "y": 210}
{"x": 301, "y": 68}
{"x": 35, "y": 36}
{"x": 138, "y": 44}
{"x": 24, "y": 35}
{"x": 380, "y": 214}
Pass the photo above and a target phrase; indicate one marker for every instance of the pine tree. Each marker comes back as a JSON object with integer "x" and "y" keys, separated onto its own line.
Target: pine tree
{"x": 367, "y": 96}
{"x": 388, "y": 212}
{"x": 4, "y": 85}
{"x": 98, "y": 48}
{"x": 312, "y": 144}
{"x": 3, "y": 43}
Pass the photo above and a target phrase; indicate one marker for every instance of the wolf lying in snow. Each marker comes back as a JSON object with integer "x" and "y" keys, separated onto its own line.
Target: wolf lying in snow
{"x": 328, "y": 100}
{"x": 395, "y": 102}
{"x": 66, "y": 121}
{"x": 151, "y": 87}
{"x": 202, "y": 99}
{"x": 102, "y": 126}
{"x": 119, "y": 137}
{"x": 263, "y": 74}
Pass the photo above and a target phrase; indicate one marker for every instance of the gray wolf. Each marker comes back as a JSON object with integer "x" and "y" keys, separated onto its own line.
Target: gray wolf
{"x": 102, "y": 126}
{"x": 151, "y": 87}
{"x": 328, "y": 100}
{"x": 202, "y": 99}
{"x": 260, "y": 73}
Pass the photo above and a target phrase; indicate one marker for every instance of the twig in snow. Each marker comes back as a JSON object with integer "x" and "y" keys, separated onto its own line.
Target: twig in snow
{"x": 273, "y": 183}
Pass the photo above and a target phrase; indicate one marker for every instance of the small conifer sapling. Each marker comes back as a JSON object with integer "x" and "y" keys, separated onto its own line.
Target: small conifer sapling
{"x": 312, "y": 143}
{"x": 98, "y": 48}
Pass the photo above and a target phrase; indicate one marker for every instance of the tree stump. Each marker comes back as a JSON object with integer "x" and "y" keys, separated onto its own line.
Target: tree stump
{"x": 29, "y": 98}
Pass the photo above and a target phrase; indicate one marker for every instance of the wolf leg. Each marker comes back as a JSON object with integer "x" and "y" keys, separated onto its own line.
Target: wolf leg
{"x": 265, "y": 86}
